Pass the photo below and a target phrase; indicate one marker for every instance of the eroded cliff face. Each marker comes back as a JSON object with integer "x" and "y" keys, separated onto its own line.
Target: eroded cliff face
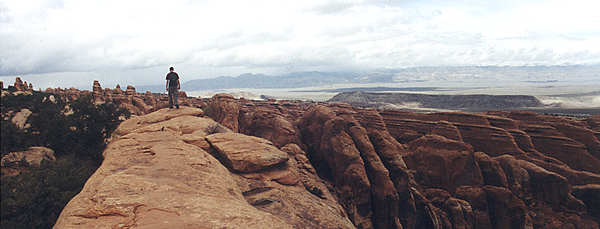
{"x": 337, "y": 166}
{"x": 394, "y": 169}
{"x": 177, "y": 169}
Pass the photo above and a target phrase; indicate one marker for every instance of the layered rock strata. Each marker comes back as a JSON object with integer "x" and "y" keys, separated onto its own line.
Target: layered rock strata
{"x": 315, "y": 165}
{"x": 161, "y": 171}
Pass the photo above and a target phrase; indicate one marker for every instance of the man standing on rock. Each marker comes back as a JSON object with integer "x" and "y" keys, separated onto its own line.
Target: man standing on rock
{"x": 173, "y": 87}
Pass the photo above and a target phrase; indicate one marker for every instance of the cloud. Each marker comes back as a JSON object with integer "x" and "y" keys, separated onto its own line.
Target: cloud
{"x": 571, "y": 102}
{"x": 335, "y": 6}
{"x": 131, "y": 39}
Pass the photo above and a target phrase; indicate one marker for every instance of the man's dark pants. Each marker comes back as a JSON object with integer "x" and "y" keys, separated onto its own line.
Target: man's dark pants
{"x": 173, "y": 91}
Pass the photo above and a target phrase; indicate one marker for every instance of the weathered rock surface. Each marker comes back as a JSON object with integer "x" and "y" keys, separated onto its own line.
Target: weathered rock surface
{"x": 338, "y": 166}
{"x": 296, "y": 193}
{"x": 270, "y": 120}
{"x": 443, "y": 163}
{"x": 224, "y": 109}
{"x": 506, "y": 210}
{"x": 332, "y": 146}
{"x": 33, "y": 156}
{"x": 246, "y": 153}
{"x": 152, "y": 178}
{"x": 20, "y": 118}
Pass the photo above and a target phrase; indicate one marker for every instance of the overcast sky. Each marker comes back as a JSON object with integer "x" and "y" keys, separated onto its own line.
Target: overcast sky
{"x": 71, "y": 42}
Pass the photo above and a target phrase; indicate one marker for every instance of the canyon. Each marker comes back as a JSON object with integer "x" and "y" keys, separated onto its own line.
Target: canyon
{"x": 223, "y": 162}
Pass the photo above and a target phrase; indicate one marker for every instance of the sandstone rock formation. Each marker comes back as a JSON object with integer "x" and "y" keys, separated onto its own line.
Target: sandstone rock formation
{"x": 19, "y": 85}
{"x": 246, "y": 153}
{"x": 487, "y": 170}
{"x": 272, "y": 120}
{"x": 224, "y": 109}
{"x": 33, "y": 156}
{"x": 156, "y": 174}
{"x": 137, "y": 103}
{"x": 20, "y": 118}
{"x": 316, "y": 165}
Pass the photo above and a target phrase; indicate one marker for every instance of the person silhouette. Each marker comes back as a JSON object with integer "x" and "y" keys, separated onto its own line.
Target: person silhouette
{"x": 173, "y": 87}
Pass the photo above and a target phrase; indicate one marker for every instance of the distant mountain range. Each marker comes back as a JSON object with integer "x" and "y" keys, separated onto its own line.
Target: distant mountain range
{"x": 526, "y": 74}
{"x": 292, "y": 80}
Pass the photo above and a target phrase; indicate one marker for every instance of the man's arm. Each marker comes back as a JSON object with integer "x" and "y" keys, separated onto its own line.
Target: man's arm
{"x": 167, "y": 85}
{"x": 178, "y": 85}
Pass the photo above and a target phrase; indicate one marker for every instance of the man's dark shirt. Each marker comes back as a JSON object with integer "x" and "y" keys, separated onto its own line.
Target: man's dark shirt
{"x": 172, "y": 77}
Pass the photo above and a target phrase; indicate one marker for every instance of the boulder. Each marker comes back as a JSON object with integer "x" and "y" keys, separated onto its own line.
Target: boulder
{"x": 33, "y": 156}
{"x": 268, "y": 123}
{"x": 130, "y": 90}
{"x": 246, "y": 153}
{"x": 161, "y": 115}
{"x": 20, "y": 118}
{"x": 224, "y": 109}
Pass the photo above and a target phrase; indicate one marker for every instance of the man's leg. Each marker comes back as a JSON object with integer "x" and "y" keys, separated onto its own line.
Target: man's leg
{"x": 175, "y": 96}
{"x": 170, "y": 98}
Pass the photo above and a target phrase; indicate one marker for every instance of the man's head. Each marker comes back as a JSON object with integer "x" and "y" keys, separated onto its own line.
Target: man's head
{"x": 171, "y": 69}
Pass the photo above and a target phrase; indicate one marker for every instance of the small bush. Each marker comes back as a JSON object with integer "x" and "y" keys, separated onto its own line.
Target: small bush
{"x": 13, "y": 139}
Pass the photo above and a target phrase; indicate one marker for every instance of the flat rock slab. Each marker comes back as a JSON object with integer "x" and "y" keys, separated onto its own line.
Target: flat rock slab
{"x": 137, "y": 122}
{"x": 246, "y": 153}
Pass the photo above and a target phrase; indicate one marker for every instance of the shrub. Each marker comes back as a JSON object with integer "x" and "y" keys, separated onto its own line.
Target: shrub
{"x": 13, "y": 139}
{"x": 35, "y": 198}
